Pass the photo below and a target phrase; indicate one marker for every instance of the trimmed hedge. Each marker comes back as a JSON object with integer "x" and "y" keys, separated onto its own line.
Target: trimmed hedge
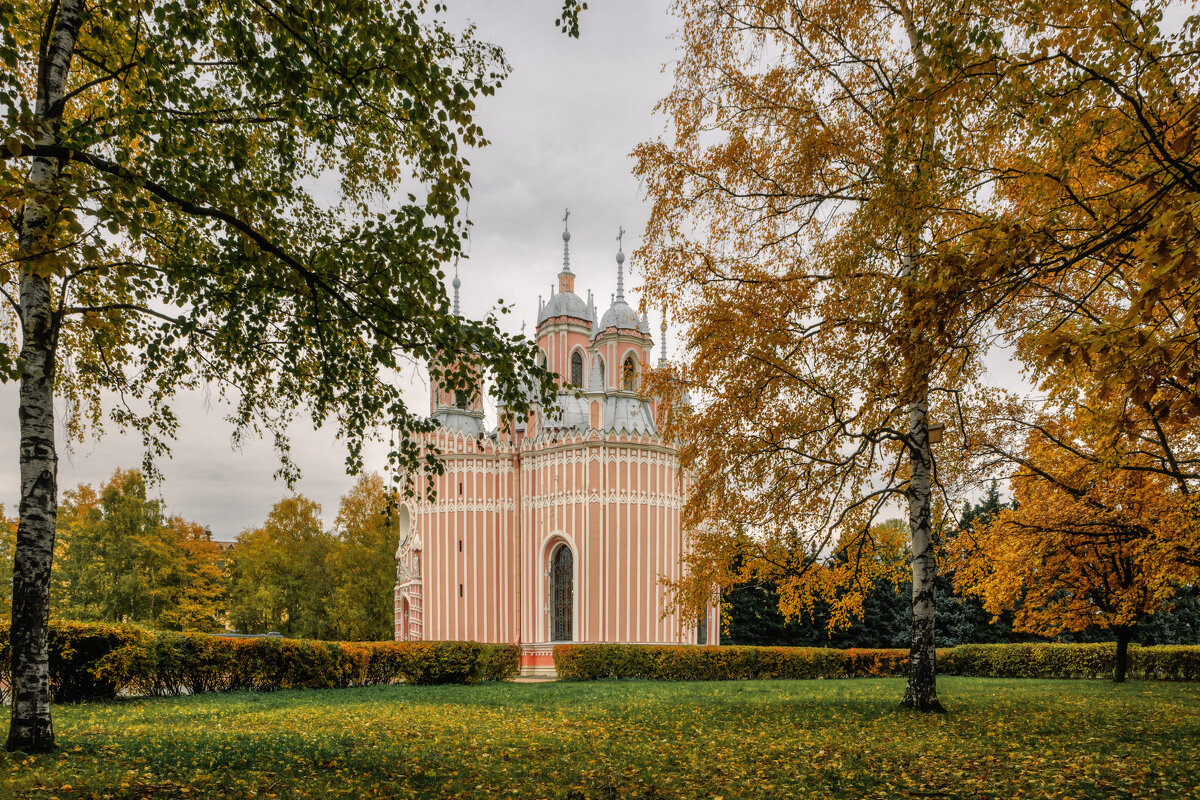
{"x": 93, "y": 661}
{"x": 1051, "y": 660}
{"x": 714, "y": 663}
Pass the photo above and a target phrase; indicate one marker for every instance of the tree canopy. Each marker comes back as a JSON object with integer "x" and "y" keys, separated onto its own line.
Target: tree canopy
{"x": 807, "y": 202}
{"x": 854, "y": 203}
{"x": 120, "y": 558}
{"x": 253, "y": 197}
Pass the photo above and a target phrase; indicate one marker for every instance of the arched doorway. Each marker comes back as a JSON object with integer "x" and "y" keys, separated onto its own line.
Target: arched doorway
{"x": 562, "y": 594}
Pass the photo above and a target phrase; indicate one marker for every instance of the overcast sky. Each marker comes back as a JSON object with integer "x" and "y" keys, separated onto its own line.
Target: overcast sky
{"x": 561, "y": 128}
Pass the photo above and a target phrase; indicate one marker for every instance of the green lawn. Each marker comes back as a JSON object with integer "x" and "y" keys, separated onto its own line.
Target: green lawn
{"x": 1002, "y": 738}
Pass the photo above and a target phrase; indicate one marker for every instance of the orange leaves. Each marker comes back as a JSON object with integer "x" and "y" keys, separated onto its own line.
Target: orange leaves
{"x": 1094, "y": 540}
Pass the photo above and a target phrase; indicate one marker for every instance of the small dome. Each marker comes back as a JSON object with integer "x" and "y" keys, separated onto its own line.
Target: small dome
{"x": 572, "y": 414}
{"x": 619, "y": 315}
{"x": 566, "y": 236}
{"x": 565, "y": 304}
{"x": 456, "y": 283}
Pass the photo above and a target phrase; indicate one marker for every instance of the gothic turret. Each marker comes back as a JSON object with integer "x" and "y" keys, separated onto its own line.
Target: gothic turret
{"x": 456, "y": 411}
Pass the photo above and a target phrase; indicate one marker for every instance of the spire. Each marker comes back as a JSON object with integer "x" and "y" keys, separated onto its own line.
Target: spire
{"x": 456, "y": 283}
{"x": 662, "y": 353}
{"x": 566, "y": 234}
{"x": 620, "y": 267}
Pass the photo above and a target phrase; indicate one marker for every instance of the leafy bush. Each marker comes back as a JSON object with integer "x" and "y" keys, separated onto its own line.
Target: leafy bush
{"x": 428, "y": 663}
{"x": 682, "y": 663}
{"x": 82, "y": 661}
{"x": 1165, "y": 662}
{"x": 89, "y": 661}
{"x": 502, "y": 662}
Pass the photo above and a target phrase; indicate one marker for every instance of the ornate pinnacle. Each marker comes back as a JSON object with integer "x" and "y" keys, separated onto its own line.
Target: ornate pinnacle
{"x": 566, "y": 236}
{"x": 620, "y": 267}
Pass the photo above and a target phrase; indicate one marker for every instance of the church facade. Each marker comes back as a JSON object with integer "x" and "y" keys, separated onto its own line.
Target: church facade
{"x": 560, "y": 528}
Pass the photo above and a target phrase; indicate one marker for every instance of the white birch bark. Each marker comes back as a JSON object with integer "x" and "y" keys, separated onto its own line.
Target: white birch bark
{"x": 921, "y": 690}
{"x": 31, "y": 728}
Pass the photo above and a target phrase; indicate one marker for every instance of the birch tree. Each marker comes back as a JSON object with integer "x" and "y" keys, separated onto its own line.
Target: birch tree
{"x": 808, "y": 204}
{"x": 247, "y": 195}
{"x": 1099, "y": 179}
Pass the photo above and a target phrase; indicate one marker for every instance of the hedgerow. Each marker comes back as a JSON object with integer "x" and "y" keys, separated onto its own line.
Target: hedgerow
{"x": 664, "y": 662}
{"x": 682, "y": 663}
{"x": 94, "y": 661}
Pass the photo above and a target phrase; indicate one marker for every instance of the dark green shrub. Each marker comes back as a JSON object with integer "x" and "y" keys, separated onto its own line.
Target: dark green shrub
{"x": 88, "y": 662}
{"x": 429, "y": 663}
{"x": 501, "y": 662}
{"x": 1165, "y": 663}
{"x": 1043, "y": 660}
{"x": 689, "y": 663}
{"x": 1037, "y": 660}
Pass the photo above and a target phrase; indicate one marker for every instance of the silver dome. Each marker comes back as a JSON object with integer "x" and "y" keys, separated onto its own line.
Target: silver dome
{"x": 565, "y": 304}
{"x": 619, "y": 315}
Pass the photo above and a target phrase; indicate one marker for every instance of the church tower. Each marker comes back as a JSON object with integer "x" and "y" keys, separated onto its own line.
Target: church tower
{"x": 456, "y": 411}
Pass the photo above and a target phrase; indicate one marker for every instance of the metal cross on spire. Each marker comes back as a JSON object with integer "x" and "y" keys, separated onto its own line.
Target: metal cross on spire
{"x": 620, "y": 236}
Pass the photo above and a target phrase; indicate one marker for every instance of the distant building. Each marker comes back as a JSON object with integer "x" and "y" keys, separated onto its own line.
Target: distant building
{"x": 558, "y": 529}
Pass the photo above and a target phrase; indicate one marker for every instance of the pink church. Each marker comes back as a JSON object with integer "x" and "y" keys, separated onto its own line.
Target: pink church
{"x": 558, "y": 529}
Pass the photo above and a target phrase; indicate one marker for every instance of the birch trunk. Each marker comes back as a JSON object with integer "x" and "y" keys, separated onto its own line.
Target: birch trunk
{"x": 31, "y": 729}
{"x": 921, "y": 691}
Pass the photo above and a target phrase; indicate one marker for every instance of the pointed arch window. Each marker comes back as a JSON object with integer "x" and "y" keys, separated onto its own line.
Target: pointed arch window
{"x": 629, "y": 374}
{"x": 577, "y": 369}
{"x": 602, "y": 383}
{"x": 562, "y": 594}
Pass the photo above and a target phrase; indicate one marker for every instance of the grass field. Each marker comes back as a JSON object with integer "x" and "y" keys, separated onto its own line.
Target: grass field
{"x": 1001, "y": 739}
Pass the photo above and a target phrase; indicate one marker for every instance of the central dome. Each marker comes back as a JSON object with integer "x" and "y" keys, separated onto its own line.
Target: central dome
{"x": 565, "y": 304}
{"x": 619, "y": 315}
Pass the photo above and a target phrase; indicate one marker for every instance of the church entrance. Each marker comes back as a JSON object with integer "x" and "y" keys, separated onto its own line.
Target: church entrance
{"x": 562, "y": 594}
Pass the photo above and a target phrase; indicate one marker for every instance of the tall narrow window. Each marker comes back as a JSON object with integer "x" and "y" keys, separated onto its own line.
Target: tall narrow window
{"x": 577, "y": 369}
{"x": 462, "y": 400}
{"x": 702, "y": 627}
{"x": 602, "y": 384}
{"x": 629, "y": 374}
{"x": 562, "y": 594}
